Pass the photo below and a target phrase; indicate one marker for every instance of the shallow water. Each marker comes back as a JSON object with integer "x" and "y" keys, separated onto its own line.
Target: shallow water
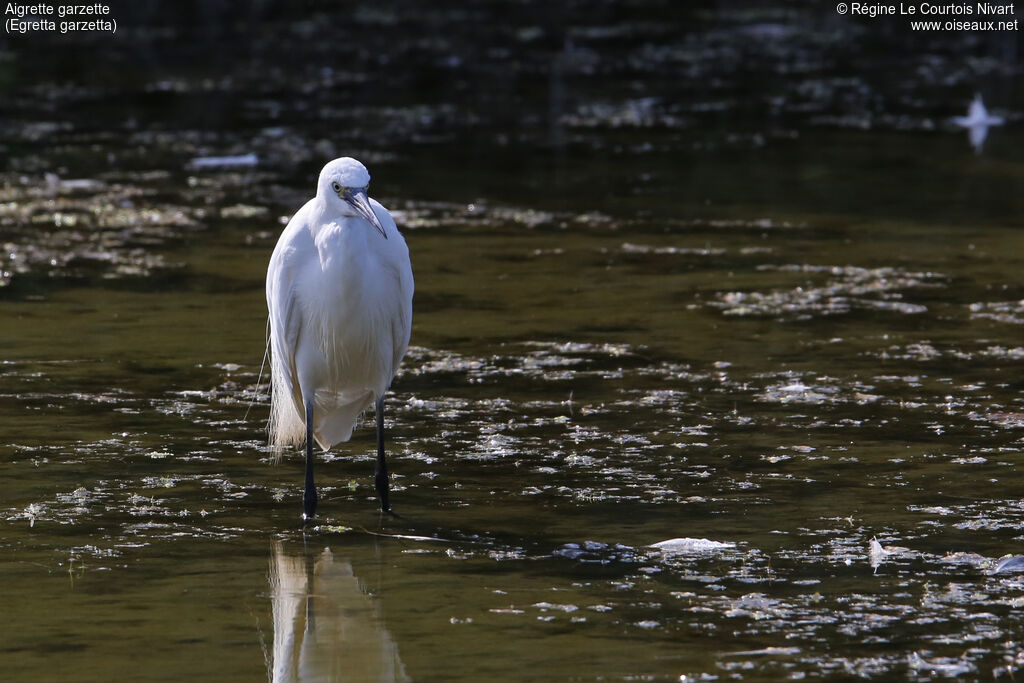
{"x": 774, "y": 315}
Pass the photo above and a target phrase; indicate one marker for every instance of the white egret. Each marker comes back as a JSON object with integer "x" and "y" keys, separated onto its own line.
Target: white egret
{"x": 339, "y": 290}
{"x": 977, "y": 115}
{"x": 977, "y": 122}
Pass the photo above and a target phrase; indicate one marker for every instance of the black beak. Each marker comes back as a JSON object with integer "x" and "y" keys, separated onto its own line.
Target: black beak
{"x": 361, "y": 204}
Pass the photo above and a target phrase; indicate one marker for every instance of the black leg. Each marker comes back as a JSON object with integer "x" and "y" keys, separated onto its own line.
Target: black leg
{"x": 309, "y": 496}
{"x": 381, "y": 477}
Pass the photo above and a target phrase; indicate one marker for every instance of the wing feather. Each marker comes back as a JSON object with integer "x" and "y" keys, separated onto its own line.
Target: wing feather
{"x": 287, "y": 422}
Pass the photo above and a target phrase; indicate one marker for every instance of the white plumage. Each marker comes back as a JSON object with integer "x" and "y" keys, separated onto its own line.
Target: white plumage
{"x": 339, "y": 291}
{"x": 977, "y": 122}
{"x": 977, "y": 115}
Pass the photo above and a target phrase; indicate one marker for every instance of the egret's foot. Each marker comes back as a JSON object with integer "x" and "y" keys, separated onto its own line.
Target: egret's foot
{"x": 309, "y": 507}
{"x": 382, "y": 491}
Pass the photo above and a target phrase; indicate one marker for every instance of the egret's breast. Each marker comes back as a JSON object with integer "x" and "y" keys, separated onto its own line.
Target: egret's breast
{"x": 351, "y": 309}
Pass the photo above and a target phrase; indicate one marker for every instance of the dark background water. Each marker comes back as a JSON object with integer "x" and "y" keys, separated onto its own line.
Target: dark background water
{"x": 724, "y": 272}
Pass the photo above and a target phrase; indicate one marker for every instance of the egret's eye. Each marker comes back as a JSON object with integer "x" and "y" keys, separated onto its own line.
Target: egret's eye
{"x": 336, "y": 186}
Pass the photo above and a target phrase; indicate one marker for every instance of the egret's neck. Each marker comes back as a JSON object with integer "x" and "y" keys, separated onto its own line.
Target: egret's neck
{"x": 331, "y": 213}
{"x": 341, "y": 240}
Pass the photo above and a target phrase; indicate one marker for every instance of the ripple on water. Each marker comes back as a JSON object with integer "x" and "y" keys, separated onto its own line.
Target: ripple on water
{"x": 1010, "y": 312}
{"x": 86, "y": 228}
{"x": 845, "y": 288}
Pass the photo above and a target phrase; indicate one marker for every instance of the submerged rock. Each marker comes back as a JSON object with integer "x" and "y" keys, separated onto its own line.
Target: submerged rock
{"x": 691, "y": 546}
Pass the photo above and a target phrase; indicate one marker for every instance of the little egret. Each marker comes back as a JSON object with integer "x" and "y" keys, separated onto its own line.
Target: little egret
{"x": 339, "y": 290}
{"x": 977, "y": 122}
{"x": 977, "y": 115}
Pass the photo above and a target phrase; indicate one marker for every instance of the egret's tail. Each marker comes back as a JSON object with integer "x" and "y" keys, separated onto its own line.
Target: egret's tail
{"x": 337, "y": 415}
{"x": 286, "y": 426}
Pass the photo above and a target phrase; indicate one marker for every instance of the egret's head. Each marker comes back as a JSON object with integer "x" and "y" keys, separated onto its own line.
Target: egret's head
{"x": 343, "y": 184}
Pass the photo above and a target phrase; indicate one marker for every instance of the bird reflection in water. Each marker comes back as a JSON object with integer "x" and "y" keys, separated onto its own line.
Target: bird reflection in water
{"x": 326, "y": 628}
